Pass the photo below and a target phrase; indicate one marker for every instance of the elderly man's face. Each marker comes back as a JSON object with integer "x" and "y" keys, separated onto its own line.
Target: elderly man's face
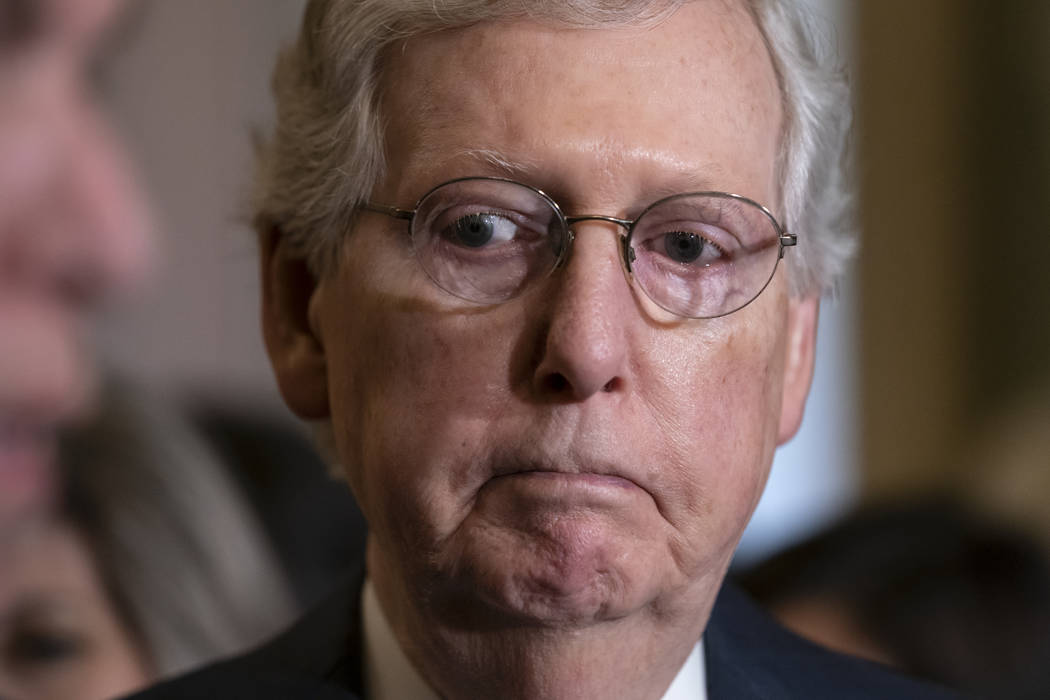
{"x": 72, "y": 228}
{"x": 564, "y": 457}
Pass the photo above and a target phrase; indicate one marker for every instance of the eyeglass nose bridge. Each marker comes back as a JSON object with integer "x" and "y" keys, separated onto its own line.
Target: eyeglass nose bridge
{"x": 626, "y": 251}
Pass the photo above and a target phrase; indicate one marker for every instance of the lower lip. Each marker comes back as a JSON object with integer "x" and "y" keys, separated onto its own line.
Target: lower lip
{"x": 544, "y": 489}
{"x": 581, "y": 480}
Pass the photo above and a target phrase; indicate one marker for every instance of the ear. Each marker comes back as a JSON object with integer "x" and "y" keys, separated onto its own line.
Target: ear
{"x": 292, "y": 341}
{"x": 798, "y": 366}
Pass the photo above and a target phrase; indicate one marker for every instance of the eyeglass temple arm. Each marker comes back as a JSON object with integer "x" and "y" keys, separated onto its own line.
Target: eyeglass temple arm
{"x": 787, "y": 240}
{"x": 405, "y": 214}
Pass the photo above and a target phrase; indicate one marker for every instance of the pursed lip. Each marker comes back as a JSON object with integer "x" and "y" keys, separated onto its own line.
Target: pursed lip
{"x": 594, "y": 472}
{"x": 607, "y": 463}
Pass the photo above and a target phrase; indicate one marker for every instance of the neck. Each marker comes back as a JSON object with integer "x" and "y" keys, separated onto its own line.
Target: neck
{"x": 480, "y": 653}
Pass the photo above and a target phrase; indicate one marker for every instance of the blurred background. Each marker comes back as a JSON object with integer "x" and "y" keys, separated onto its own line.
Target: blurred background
{"x": 954, "y": 318}
{"x": 932, "y": 375}
{"x": 187, "y": 83}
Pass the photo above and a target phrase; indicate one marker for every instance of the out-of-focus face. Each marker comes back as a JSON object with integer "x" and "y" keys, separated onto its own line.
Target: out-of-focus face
{"x": 72, "y": 229}
{"x": 60, "y": 636}
{"x": 567, "y": 457}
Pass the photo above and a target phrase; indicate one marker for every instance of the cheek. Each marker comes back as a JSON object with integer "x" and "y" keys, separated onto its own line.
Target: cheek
{"x": 404, "y": 377}
{"x": 720, "y": 405}
{"x": 113, "y": 671}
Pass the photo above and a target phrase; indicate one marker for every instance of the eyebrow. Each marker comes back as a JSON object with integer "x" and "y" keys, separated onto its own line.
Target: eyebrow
{"x": 500, "y": 163}
{"x": 20, "y": 21}
{"x": 657, "y": 184}
{"x": 28, "y": 607}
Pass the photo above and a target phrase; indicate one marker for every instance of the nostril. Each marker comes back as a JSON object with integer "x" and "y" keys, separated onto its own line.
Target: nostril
{"x": 556, "y": 382}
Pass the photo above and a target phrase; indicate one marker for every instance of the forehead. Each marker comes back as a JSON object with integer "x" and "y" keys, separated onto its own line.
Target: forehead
{"x": 52, "y": 562}
{"x": 690, "y": 103}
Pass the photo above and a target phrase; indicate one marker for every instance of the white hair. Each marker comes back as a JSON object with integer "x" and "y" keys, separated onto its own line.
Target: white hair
{"x": 327, "y": 151}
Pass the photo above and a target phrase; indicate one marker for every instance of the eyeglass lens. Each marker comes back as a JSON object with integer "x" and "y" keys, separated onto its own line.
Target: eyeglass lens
{"x": 695, "y": 255}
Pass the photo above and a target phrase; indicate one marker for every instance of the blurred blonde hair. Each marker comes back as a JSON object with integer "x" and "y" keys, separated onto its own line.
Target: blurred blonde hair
{"x": 179, "y": 551}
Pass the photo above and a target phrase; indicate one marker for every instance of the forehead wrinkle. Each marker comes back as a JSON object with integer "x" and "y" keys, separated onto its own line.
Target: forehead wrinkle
{"x": 509, "y": 166}
{"x": 651, "y": 172}
{"x": 436, "y": 135}
{"x": 653, "y": 175}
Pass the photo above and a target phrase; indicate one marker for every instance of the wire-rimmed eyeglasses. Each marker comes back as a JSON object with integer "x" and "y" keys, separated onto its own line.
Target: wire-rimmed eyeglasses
{"x": 696, "y": 255}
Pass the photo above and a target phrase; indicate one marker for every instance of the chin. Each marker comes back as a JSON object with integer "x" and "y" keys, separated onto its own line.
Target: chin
{"x": 576, "y": 572}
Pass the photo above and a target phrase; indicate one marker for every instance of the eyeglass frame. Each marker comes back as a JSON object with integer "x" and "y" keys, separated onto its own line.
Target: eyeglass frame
{"x": 627, "y": 254}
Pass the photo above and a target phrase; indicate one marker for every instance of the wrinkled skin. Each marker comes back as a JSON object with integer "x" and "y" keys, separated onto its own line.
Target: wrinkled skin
{"x": 554, "y": 485}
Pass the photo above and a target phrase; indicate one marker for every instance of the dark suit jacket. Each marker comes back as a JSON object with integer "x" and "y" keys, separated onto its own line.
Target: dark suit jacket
{"x": 748, "y": 655}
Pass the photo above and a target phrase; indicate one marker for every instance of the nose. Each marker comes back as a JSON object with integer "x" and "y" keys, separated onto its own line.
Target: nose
{"x": 101, "y": 193}
{"x": 585, "y": 350}
{"x": 84, "y": 223}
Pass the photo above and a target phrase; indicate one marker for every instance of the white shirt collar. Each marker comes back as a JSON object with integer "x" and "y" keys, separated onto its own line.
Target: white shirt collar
{"x": 691, "y": 681}
{"x": 390, "y": 676}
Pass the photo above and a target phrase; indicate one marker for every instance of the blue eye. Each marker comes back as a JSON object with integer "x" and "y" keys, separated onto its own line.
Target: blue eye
{"x": 477, "y": 230}
{"x": 683, "y": 247}
{"x": 474, "y": 230}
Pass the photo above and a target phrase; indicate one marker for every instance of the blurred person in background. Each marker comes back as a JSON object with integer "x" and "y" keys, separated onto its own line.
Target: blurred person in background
{"x": 127, "y": 556}
{"x": 73, "y": 233}
{"x": 150, "y": 565}
{"x": 930, "y": 587}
